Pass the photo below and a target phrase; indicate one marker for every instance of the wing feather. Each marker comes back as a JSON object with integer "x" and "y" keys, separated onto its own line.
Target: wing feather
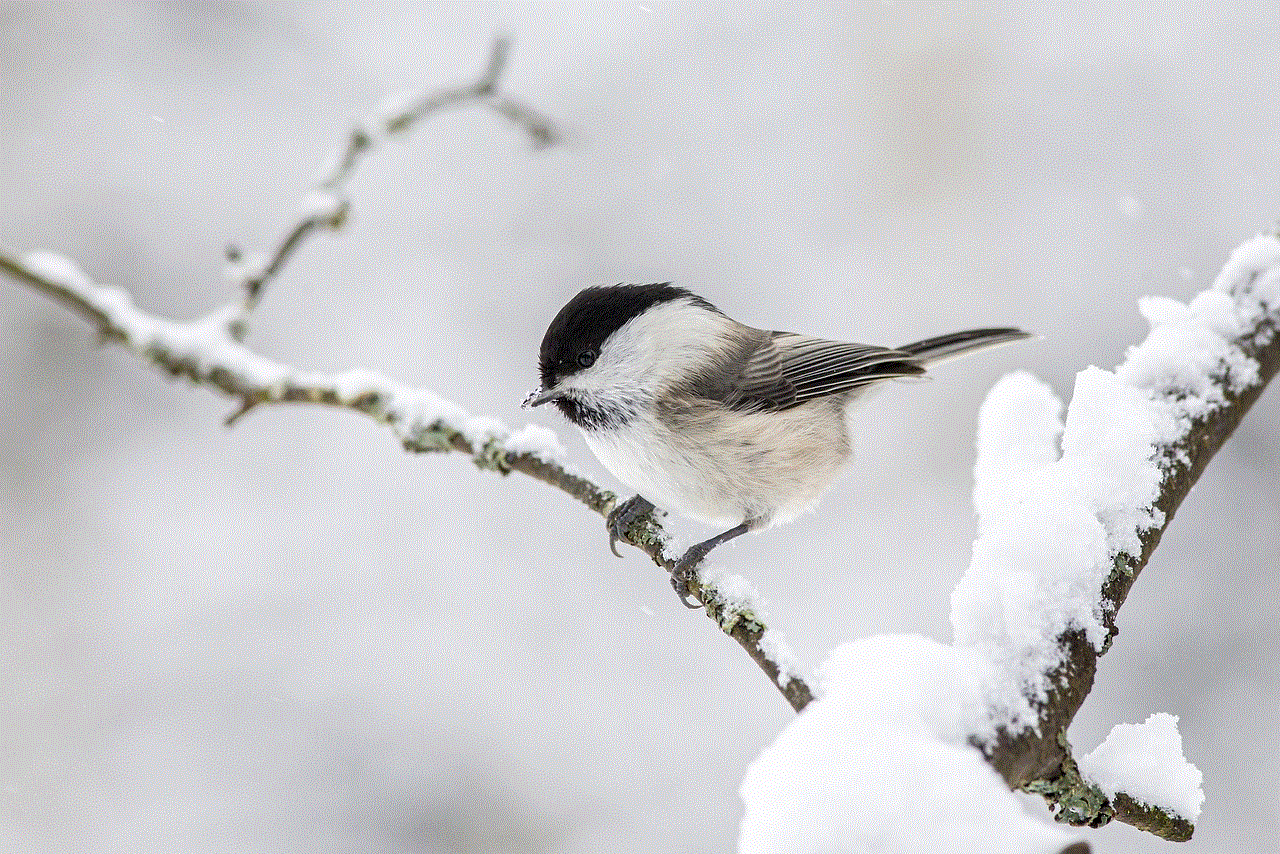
{"x": 788, "y": 369}
{"x": 762, "y": 385}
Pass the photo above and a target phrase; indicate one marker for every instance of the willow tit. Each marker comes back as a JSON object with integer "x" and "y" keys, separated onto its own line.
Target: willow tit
{"x": 729, "y": 425}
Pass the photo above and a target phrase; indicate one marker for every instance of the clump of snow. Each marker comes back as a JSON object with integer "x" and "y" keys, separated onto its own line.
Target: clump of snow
{"x": 57, "y": 268}
{"x": 1189, "y": 347}
{"x": 321, "y": 205}
{"x": 1252, "y": 277}
{"x": 1051, "y": 527}
{"x": 206, "y": 343}
{"x": 353, "y": 384}
{"x": 1034, "y": 574}
{"x": 777, "y": 650}
{"x": 536, "y": 441}
{"x": 412, "y": 410}
{"x": 1145, "y": 762}
{"x": 1112, "y": 440}
{"x": 864, "y": 768}
{"x": 882, "y": 760}
{"x": 734, "y": 590}
{"x": 1020, "y": 427}
{"x": 417, "y": 408}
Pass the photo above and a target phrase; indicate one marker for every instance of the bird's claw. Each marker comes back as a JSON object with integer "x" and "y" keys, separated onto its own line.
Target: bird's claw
{"x": 682, "y": 576}
{"x": 624, "y": 517}
{"x": 684, "y": 571}
{"x": 635, "y": 510}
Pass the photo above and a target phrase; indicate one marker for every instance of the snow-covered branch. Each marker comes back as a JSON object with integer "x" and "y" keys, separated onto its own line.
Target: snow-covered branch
{"x": 1063, "y": 533}
{"x": 1062, "y": 541}
{"x": 1069, "y": 513}
{"x": 208, "y": 352}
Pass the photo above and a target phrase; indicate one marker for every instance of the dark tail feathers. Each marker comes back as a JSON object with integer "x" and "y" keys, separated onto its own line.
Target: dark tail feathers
{"x": 937, "y": 349}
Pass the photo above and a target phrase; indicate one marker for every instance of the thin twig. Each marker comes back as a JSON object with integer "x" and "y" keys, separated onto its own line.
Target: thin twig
{"x": 326, "y": 207}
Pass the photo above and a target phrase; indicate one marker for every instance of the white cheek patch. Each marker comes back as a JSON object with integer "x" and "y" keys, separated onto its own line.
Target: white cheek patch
{"x": 657, "y": 349}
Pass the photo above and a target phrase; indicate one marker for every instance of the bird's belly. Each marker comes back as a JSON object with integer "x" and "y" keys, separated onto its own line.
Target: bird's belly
{"x": 767, "y": 469}
{"x": 665, "y": 475}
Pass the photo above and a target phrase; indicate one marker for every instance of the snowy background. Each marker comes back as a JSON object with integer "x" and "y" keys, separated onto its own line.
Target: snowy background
{"x": 292, "y": 636}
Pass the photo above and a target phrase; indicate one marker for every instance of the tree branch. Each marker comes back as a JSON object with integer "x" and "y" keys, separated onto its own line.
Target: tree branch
{"x": 326, "y": 208}
{"x": 209, "y": 353}
{"x": 1037, "y": 757}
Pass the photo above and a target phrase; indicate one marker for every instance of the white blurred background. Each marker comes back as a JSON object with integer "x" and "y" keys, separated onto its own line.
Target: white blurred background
{"x": 292, "y": 636}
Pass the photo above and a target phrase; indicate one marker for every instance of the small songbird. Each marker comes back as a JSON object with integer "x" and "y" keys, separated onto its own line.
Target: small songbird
{"x": 729, "y": 425}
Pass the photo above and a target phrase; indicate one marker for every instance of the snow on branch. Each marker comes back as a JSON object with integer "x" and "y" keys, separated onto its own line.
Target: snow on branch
{"x": 1062, "y": 536}
{"x": 1144, "y": 763}
{"x": 1069, "y": 513}
{"x": 1051, "y": 570}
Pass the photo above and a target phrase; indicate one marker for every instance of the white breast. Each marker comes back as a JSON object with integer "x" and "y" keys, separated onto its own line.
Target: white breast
{"x": 661, "y": 473}
{"x": 762, "y": 467}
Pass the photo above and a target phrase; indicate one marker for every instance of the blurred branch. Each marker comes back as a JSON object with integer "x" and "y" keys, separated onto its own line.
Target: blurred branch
{"x": 209, "y": 353}
{"x": 325, "y": 207}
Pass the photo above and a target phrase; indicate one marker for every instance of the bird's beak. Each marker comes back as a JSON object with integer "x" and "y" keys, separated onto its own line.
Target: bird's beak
{"x": 538, "y": 396}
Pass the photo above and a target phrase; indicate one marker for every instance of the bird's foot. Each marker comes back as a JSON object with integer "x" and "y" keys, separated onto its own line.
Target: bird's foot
{"x": 624, "y": 517}
{"x": 683, "y": 575}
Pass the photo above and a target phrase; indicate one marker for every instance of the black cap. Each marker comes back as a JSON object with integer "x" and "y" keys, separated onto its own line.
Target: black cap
{"x": 575, "y": 336}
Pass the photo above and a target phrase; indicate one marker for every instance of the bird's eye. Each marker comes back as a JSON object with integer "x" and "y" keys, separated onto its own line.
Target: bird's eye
{"x": 586, "y": 358}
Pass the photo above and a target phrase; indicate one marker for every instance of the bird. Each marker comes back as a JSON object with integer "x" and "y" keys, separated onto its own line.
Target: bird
{"x": 732, "y": 426}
